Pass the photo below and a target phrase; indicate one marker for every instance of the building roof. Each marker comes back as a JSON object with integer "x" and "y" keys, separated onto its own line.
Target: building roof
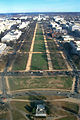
{"x": 40, "y": 111}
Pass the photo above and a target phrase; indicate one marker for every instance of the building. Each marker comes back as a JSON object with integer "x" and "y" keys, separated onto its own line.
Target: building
{"x": 2, "y": 47}
{"x": 67, "y": 38}
{"x": 75, "y": 47}
{"x": 11, "y": 36}
{"x": 40, "y": 111}
{"x": 54, "y": 24}
{"x": 58, "y": 18}
{"x": 23, "y": 25}
{"x": 75, "y": 27}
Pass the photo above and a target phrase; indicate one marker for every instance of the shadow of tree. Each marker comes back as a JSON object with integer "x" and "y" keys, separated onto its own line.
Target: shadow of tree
{"x": 36, "y": 99}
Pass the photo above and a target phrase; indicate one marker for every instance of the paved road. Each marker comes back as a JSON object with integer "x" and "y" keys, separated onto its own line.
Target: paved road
{"x": 44, "y": 92}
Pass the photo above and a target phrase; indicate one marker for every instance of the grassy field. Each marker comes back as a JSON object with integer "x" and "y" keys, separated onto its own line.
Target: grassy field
{"x": 52, "y": 46}
{"x": 4, "y": 116}
{"x": 58, "y": 61}
{"x": 26, "y": 47}
{"x": 39, "y": 37}
{"x": 39, "y": 47}
{"x": 39, "y": 30}
{"x": 20, "y": 62}
{"x": 17, "y": 115}
{"x": 53, "y": 109}
{"x": 70, "y": 117}
{"x": 39, "y": 62}
{"x": 17, "y": 83}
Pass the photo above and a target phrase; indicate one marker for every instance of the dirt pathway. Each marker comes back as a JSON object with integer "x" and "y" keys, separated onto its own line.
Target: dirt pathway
{"x": 43, "y": 89}
{"x": 7, "y": 84}
{"x": 73, "y": 85}
{"x": 73, "y": 100}
{"x": 31, "y": 50}
{"x": 47, "y": 52}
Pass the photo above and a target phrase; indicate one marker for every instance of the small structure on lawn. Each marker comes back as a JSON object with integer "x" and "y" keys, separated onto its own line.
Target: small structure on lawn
{"x": 40, "y": 111}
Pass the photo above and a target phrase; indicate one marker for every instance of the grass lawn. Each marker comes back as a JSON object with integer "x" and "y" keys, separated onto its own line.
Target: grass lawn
{"x": 52, "y": 46}
{"x": 39, "y": 37}
{"x": 39, "y": 47}
{"x": 58, "y": 61}
{"x": 17, "y": 115}
{"x": 25, "y": 47}
{"x": 17, "y": 83}
{"x": 54, "y": 109}
{"x": 70, "y": 117}
{"x": 72, "y": 107}
{"x": 39, "y": 30}
{"x": 39, "y": 62}
{"x": 20, "y": 62}
{"x": 4, "y": 116}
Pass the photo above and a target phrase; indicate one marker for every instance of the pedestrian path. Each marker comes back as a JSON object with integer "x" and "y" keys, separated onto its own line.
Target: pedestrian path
{"x": 31, "y": 50}
{"x": 47, "y": 52}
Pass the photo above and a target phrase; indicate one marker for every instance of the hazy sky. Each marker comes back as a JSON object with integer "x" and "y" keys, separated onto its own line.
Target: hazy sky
{"x": 39, "y": 6}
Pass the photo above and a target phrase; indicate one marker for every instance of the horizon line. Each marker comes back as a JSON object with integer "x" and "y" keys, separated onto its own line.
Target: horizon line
{"x": 38, "y": 12}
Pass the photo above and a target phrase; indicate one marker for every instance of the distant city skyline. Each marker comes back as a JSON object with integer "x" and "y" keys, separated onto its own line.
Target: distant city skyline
{"x": 8, "y": 6}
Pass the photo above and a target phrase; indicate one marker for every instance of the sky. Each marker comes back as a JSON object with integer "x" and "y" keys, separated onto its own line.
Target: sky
{"x": 11, "y": 6}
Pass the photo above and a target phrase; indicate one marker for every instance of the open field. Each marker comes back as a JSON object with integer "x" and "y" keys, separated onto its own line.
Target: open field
{"x": 17, "y": 83}
{"x": 39, "y": 30}
{"x": 57, "y": 61}
{"x": 17, "y": 115}
{"x": 53, "y": 109}
{"x": 52, "y": 46}
{"x": 39, "y": 37}
{"x": 69, "y": 117}
{"x": 20, "y": 62}
{"x": 25, "y": 47}
{"x": 4, "y": 115}
{"x": 39, "y": 45}
{"x": 39, "y": 62}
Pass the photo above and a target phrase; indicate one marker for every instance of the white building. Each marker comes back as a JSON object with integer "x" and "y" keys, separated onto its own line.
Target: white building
{"x": 23, "y": 25}
{"x": 23, "y": 17}
{"x": 67, "y": 38}
{"x": 54, "y": 24}
{"x": 2, "y": 47}
{"x": 40, "y": 111}
{"x": 11, "y": 36}
{"x": 75, "y": 27}
{"x": 58, "y": 18}
{"x": 76, "y": 46}
{"x": 6, "y": 24}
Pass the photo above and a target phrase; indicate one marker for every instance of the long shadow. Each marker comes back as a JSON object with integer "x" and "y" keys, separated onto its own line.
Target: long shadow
{"x": 35, "y": 99}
